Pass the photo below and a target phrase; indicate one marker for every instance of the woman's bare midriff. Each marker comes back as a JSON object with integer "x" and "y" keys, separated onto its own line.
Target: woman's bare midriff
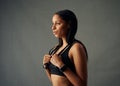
{"x": 60, "y": 80}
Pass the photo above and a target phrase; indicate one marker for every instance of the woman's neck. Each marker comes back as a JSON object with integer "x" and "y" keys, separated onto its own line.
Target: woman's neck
{"x": 64, "y": 42}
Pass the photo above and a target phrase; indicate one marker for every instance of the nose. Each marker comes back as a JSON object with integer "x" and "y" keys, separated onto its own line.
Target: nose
{"x": 53, "y": 27}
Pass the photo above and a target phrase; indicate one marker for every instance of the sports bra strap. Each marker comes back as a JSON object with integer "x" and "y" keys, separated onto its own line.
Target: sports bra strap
{"x": 62, "y": 51}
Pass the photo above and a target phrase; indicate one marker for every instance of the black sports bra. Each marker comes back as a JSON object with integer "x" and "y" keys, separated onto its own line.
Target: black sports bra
{"x": 65, "y": 58}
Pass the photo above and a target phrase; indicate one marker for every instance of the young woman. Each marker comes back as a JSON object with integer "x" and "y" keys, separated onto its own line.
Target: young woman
{"x": 66, "y": 63}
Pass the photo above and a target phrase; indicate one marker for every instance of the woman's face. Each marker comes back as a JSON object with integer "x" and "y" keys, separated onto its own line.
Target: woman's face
{"x": 59, "y": 27}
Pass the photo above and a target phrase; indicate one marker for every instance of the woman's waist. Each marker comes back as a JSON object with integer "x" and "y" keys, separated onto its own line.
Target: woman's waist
{"x": 60, "y": 80}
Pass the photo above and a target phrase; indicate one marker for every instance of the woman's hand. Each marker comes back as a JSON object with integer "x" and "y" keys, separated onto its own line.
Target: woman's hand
{"x": 46, "y": 58}
{"x": 56, "y": 60}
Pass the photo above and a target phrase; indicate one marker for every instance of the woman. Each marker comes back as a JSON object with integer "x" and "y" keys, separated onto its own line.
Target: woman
{"x": 66, "y": 63}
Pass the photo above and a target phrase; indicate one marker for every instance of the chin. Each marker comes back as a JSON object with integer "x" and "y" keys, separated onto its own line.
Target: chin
{"x": 57, "y": 36}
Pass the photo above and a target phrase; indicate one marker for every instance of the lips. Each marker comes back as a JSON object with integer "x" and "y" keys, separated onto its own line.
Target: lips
{"x": 54, "y": 32}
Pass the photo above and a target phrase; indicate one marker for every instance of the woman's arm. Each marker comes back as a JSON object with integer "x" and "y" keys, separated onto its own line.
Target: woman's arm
{"x": 80, "y": 61}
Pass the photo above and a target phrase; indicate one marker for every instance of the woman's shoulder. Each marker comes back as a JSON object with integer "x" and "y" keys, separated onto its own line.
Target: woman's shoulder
{"x": 78, "y": 46}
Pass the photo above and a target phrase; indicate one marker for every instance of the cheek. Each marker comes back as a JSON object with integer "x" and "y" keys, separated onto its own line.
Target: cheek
{"x": 62, "y": 30}
{"x": 65, "y": 30}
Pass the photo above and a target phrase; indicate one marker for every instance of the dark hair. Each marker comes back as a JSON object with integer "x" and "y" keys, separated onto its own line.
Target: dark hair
{"x": 69, "y": 17}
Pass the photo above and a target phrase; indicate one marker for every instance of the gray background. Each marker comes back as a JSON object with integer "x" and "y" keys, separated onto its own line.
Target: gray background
{"x": 25, "y": 36}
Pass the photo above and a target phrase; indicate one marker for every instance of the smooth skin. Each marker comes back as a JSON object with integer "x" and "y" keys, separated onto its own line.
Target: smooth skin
{"x": 77, "y": 55}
